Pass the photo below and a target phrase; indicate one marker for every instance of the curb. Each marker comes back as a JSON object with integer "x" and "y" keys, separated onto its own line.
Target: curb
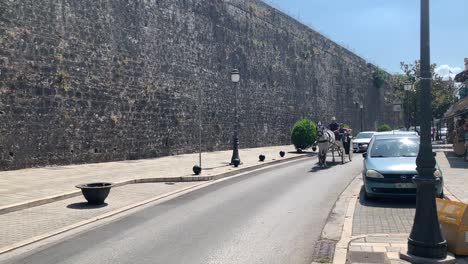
{"x": 341, "y": 248}
{"x": 449, "y": 196}
{"x": 139, "y": 204}
{"x": 91, "y": 220}
{"x": 50, "y": 199}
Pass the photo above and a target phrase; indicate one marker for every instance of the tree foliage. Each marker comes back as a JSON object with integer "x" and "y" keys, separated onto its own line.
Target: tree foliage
{"x": 442, "y": 92}
{"x": 463, "y": 92}
{"x": 379, "y": 77}
{"x": 384, "y": 127}
{"x": 304, "y": 133}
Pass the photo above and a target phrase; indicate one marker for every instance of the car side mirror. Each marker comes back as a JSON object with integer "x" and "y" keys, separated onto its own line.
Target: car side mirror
{"x": 364, "y": 155}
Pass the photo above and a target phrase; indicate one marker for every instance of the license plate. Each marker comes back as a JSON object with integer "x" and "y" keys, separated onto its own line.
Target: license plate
{"x": 405, "y": 185}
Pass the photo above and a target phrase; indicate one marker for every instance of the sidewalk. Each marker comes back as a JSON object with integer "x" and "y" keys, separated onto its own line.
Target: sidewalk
{"x": 33, "y": 223}
{"x": 380, "y": 228}
{"x": 21, "y": 186}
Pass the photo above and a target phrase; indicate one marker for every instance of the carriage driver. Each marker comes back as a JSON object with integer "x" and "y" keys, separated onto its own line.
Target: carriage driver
{"x": 333, "y": 126}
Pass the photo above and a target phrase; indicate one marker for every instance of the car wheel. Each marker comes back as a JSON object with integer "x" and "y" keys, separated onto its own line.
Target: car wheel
{"x": 441, "y": 196}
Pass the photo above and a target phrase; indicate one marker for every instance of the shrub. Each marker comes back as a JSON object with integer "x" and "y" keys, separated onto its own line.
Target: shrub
{"x": 304, "y": 133}
{"x": 384, "y": 127}
{"x": 379, "y": 77}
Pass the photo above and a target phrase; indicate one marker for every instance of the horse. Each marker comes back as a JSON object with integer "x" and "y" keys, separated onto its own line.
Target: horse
{"x": 325, "y": 139}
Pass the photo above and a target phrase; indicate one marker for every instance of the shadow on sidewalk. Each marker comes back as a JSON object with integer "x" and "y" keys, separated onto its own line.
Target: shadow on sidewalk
{"x": 456, "y": 162}
{"x": 386, "y": 202}
{"x": 85, "y": 206}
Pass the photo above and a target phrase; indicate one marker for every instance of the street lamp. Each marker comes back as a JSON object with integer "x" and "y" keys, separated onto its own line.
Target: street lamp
{"x": 198, "y": 168}
{"x": 397, "y": 110}
{"x": 235, "y": 160}
{"x": 361, "y": 107}
{"x": 408, "y": 87}
{"x": 425, "y": 243}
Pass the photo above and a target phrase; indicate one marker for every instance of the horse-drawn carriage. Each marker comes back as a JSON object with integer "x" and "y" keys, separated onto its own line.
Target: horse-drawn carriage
{"x": 339, "y": 141}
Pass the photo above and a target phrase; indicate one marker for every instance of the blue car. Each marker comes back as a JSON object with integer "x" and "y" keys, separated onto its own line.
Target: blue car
{"x": 390, "y": 165}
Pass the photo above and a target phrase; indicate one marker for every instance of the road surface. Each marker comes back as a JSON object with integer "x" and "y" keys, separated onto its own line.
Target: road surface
{"x": 272, "y": 216}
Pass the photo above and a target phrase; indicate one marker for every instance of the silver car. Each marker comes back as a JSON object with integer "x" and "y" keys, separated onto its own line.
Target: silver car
{"x": 390, "y": 165}
{"x": 362, "y": 140}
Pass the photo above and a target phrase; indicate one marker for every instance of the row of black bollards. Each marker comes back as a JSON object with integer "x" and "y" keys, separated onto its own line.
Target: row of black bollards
{"x": 197, "y": 169}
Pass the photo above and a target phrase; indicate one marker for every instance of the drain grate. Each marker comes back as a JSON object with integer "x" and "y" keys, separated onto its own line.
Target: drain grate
{"x": 324, "y": 251}
{"x": 368, "y": 257}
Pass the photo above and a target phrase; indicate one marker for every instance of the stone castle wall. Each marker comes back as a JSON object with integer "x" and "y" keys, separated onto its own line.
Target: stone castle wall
{"x": 101, "y": 80}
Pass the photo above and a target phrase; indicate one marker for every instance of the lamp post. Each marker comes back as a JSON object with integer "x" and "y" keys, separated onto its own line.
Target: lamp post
{"x": 235, "y": 160}
{"x": 361, "y": 107}
{"x": 397, "y": 110}
{"x": 408, "y": 87}
{"x": 425, "y": 240}
{"x": 198, "y": 168}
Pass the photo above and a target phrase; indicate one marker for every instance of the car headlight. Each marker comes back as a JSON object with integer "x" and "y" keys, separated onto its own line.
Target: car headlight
{"x": 373, "y": 174}
{"x": 438, "y": 173}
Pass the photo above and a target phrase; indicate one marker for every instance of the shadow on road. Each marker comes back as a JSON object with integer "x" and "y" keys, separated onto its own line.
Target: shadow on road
{"x": 386, "y": 202}
{"x": 330, "y": 165}
{"x": 85, "y": 206}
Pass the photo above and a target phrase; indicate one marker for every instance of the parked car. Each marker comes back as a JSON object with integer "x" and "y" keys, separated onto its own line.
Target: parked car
{"x": 390, "y": 165}
{"x": 362, "y": 140}
{"x": 398, "y": 132}
{"x": 443, "y": 132}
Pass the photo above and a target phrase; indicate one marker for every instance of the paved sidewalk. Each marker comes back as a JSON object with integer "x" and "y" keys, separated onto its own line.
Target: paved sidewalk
{"x": 33, "y": 223}
{"x": 381, "y": 226}
{"x": 24, "y": 185}
{"x": 455, "y": 171}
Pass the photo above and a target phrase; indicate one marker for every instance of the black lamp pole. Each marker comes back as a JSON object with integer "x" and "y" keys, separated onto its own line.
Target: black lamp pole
{"x": 408, "y": 111}
{"x": 425, "y": 239}
{"x": 235, "y": 160}
{"x": 361, "y": 107}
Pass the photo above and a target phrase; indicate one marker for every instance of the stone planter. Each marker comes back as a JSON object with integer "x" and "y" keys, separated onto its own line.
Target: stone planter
{"x": 95, "y": 193}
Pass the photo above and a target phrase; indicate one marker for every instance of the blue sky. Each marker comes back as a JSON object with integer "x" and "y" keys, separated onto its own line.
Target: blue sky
{"x": 386, "y": 32}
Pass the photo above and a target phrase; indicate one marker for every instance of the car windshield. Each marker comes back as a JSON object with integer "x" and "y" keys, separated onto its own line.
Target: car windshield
{"x": 364, "y": 135}
{"x": 395, "y": 147}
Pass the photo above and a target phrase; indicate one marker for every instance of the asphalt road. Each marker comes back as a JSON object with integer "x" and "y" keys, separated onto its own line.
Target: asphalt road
{"x": 272, "y": 216}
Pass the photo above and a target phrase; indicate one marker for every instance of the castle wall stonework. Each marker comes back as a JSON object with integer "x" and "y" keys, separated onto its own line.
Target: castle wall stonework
{"x": 103, "y": 80}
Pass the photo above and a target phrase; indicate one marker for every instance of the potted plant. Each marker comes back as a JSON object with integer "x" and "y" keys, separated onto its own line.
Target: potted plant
{"x": 95, "y": 193}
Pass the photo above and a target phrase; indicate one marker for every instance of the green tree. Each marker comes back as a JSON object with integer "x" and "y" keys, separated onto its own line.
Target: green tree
{"x": 442, "y": 92}
{"x": 463, "y": 92}
{"x": 379, "y": 77}
{"x": 304, "y": 133}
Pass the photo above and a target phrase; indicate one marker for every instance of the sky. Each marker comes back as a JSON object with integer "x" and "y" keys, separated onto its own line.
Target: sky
{"x": 386, "y": 32}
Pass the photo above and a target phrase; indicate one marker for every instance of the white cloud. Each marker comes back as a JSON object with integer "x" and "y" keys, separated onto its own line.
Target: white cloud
{"x": 445, "y": 71}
